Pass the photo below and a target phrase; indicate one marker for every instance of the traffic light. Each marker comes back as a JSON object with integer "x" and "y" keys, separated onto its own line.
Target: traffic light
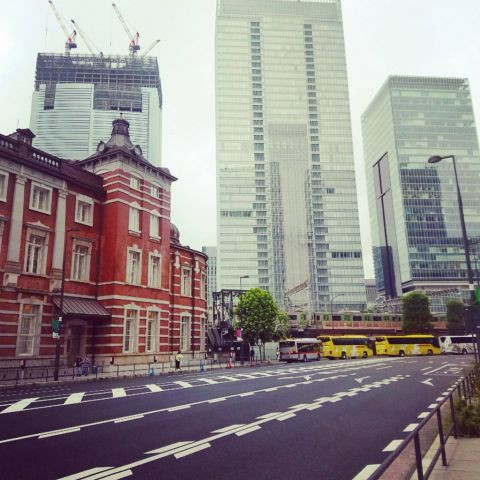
{"x": 56, "y": 325}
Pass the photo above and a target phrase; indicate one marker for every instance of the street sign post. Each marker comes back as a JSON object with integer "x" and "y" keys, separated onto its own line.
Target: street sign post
{"x": 472, "y": 325}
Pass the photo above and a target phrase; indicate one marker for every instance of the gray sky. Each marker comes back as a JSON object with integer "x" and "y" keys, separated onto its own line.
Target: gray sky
{"x": 382, "y": 37}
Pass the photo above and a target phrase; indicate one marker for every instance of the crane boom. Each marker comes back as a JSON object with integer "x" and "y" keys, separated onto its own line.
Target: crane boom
{"x": 133, "y": 46}
{"x": 156, "y": 42}
{"x": 90, "y": 45}
{"x": 70, "y": 43}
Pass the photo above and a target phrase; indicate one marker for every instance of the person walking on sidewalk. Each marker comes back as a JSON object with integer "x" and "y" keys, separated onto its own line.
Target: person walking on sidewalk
{"x": 178, "y": 360}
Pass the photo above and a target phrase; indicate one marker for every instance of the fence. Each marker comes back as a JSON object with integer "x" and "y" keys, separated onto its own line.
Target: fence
{"x": 463, "y": 388}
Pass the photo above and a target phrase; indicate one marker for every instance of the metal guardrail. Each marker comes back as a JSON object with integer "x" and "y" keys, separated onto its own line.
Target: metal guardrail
{"x": 464, "y": 387}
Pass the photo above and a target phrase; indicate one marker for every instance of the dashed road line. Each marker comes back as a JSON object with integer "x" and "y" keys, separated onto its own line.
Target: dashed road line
{"x": 393, "y": 445}
{"x": 367, "y": 471}
{"x": 411, "y": 427}
{"x": 20, "y": 405}
{"x": 74, "y": 398}
{"x": 118, "y": 392}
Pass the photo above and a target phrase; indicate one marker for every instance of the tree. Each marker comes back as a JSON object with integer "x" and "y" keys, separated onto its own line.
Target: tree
{"x": 416, "y": 313}
{"x": 455, "y": 316}
{"x": 258, "y": 314}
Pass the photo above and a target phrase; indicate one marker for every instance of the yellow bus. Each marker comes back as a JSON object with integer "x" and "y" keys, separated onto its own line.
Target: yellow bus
{"x": 401, "y": 345}
{"x": 346, "y": 346}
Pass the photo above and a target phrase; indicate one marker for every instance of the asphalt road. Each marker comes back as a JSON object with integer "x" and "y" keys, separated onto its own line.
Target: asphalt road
{"x": 327, "y": 420}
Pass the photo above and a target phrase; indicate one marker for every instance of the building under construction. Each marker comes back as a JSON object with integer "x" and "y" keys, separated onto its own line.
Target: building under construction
{"x": 77, "y": 97}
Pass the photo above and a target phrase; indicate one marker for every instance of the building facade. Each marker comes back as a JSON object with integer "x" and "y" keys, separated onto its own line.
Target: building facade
{"x": 211, "y": 252}
{"x": 286, "y": 196}
{"x": 101, "y": 227}
{"x": 415, "y": 222}
{"x": 77, "y": 97}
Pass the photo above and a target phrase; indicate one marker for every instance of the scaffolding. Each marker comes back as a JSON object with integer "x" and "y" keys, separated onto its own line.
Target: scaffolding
{"x": 117, "y": 79}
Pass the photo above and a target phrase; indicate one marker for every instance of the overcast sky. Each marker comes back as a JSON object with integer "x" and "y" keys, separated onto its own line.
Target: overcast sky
{"x": 382, "y": 37}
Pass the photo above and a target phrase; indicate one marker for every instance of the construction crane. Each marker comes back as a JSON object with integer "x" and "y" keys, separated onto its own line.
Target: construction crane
{"x": 155, "y": 43}
{"x": 70, "y": 43}
{"x": 94, "y": 50}
{"x": 133, "y": 47}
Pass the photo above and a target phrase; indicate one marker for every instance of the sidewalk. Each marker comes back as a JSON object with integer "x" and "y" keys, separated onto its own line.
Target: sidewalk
{"x": 463, "y": 458}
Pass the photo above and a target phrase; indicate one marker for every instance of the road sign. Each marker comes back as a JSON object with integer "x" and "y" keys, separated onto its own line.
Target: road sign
{"x": 56, "y": 325}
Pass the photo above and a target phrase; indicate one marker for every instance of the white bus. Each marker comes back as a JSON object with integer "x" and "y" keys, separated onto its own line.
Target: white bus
{"x": 461, "y": 344}
{"x": 299, "y": 349}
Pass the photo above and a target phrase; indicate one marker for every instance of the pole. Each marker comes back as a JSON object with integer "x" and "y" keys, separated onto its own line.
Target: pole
{"x": 60, "y": 318}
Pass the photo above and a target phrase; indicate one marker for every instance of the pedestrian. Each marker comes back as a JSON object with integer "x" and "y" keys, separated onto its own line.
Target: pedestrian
{"x": 178, "y": 360}
{"x": 85, "y": 365}
{"x": 277, "y": 353}
{"x": 78, "y": 365}
{"x": 252, "y": 355}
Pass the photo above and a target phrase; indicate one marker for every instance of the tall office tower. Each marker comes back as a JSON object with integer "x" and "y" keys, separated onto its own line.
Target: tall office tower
{"x": 211, "y": 272}
{"x": 416, "y": 231}
{"x": 77, "y": 97}
{"x": 287, "y": 204}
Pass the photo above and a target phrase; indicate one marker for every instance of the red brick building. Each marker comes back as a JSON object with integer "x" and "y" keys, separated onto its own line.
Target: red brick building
{"x": 131, "y": 290}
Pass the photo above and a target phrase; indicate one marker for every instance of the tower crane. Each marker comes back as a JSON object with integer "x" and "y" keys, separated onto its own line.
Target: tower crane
{"x": 93, "y": 49}
{"x": 133, "y": 46}
{"x": 70, "y": 43}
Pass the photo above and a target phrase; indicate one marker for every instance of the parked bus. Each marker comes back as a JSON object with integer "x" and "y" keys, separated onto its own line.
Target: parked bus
{"x": 346, "y": 346}
{"x": 462, "y": 344}
{"x": 299, "y": 349}
{"x": 401, "y": 345}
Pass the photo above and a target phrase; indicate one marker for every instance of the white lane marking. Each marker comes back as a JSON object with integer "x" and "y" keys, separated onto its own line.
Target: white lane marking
{"x": 383, "y": 368}
{"x": 424, "y": 414}
{"x": 74, "y": 398}
{"x": 247, "y": 430}
{"x": 179, "y": 407}
{"x": 207, "y": 380}
{"x": 85, "y": 473}
{"x": 433, "y": 405}
{"x": 366, "y": 472}
{"x": 227, "y": 377}
{"x": 127, "y": 419}
{"x": 426, "y": 368}
{"x": 184, "y": 453}
{"x": 361, "y": 379}
{"x": 20, "y": 405}
{"x": 246, "y": 394}
{"x": 268, "y": 415}
{"x": 272, "y": 389}
{"x": 393, "y": 445}
{"x": 184, "y": 384}
{"x": 435, "y": 370}
{"x": 59, "y": 432}
{"x": 428, "y": 381}
{"x": 216, "y": 400}
{"x": 166, "y": 448}
{"x": 154, "y": 388}
{"x": 285, "y": 417}
{"x": 411, "y": 427}
{"x": 118, "y": 392}
{"x": 246, "y": 375}
{"x": 227, "y": 429}
{"x": 314, "y": 406}
{"x": 439, "y": 399}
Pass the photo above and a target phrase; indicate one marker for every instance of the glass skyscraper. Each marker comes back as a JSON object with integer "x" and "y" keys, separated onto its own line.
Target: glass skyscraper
{"x": 416, "y": 231}
{"x": 77, "y": 97}
{"x": 287, "y": 204}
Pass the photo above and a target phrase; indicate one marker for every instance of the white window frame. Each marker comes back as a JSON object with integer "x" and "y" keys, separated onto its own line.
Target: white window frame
{"x": 186, "y": 281}
{"x": 134, "y": 218}
{"x": 4, "y": 186}
{"x": 153, "y": 320}
{"x": 33, "y": 188}
{"x": 156, "y": 191}
{"x": 82, "y": 199}
{"x": 155, "y": 225}
{"x": 75, "y": 259}
{"x": 137, "y": 279}
{"x": 136, "y": 182}
{"x": 203, "y": 285}
{"x": 43, "y": 252}
{"x": 32, "y": 337}
{"x": 185, "y": 332}
{"x": 131, "y": 318}
{"x": 152, "y": 282}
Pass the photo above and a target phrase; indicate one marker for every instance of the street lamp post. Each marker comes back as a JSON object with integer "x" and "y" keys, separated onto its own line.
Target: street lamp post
{"x": 436, "y": 159}
{"x": 62, "y": 292}
{"x": 331, "y": 306}
{"x": 242, "y": 277}
{"x": 240, "y": 315}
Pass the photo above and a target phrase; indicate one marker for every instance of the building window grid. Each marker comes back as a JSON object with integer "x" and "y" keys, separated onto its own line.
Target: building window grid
{"x": 80, "y": 262}
{"x": 41, "y": 198}
{"x": 134, "y": 266}
{"x": 35, "y": 253}
{"x": 155, "y": 271}
{"x": 134, "y": 219}
{"x": 130, "y": 326}
{"x": 151, "y": 332}
{"x": 186, "y": 281}
{"x": 29, "y": 317}
{"x": 3, "y": 186}
{"x": 185, "y": 333}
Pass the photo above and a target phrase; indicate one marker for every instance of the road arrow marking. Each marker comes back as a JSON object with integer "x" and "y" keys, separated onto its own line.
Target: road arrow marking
{"x": 361, "y": 379}
{"x": 428, "y": 382}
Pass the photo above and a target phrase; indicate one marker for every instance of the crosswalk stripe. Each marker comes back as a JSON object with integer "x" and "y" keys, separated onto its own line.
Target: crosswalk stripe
{"x": 118, "y": 392}
{"x": 207, "y": 380}
{"x": 184, "y": 384}
{"x": 74, "y": 398}
{"x": 154, "y": 388}
{"x": 20, "y": 405}
{"x": 227, "y": 377}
